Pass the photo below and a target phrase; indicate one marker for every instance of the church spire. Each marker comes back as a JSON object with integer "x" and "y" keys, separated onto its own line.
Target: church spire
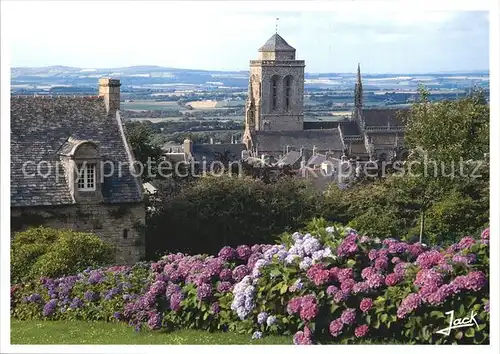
{"x": 358, "y": 90}
{"x": 250, "y": 108}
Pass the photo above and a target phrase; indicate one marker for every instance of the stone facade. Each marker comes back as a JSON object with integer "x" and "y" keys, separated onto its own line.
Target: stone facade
{"x": 276, "y": 89}
{"x": 72, "y": 167}
{"x": 118, "y": 225}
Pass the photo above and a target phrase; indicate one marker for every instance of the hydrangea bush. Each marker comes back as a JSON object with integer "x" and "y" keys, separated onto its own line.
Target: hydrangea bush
{"x": 323, "y": 286}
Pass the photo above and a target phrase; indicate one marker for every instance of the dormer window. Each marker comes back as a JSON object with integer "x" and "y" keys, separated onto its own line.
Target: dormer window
{"x": 87, "y": 177}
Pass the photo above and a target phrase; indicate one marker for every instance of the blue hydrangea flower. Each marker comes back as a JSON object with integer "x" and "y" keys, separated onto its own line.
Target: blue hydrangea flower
{"x": 296, "y": 236}
{"x": 271, "y": 320}
{"x": 262, "y": 317}
{"x": 290, "y": 258}
{"x": 306, "y": 263}
{"x": 311, "y": 245}
{"x": 257, "y": 335}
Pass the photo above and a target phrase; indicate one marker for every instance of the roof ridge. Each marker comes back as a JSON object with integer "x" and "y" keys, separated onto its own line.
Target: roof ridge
{"x": 57, "y": 96}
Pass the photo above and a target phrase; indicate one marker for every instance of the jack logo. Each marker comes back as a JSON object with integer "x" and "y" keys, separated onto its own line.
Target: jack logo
{"x": 459, "y": 322}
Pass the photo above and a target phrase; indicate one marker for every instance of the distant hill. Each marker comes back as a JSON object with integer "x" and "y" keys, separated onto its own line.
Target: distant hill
{"x": 154, "y": 77}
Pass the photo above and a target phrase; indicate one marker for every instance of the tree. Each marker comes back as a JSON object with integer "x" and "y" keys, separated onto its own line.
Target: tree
{"x": 428, "y": 200}
{"x": 445, "y": 139}
{"x": 146, "y": 152}
{"x": 229, "y": 211}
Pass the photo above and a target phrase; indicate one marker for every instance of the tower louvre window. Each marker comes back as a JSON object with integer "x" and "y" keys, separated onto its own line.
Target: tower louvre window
{"x": 288, "y": 92}
{"x": 275, "y": 93}
{"x": 86, "y": 177}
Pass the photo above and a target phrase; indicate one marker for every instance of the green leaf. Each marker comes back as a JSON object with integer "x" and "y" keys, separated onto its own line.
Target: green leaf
{"x": 437, "y": 314}
{"x": 284, "y": 289}
{"x": 470, "y": 333}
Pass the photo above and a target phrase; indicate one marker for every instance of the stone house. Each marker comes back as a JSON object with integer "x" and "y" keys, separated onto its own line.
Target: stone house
{"x": 72, "y": 167}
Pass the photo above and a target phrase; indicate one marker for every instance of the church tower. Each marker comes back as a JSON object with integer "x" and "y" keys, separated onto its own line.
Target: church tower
{"x": 276, "y": 89}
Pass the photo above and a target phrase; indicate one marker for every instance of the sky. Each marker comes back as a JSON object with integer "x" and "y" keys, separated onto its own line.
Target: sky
{"x": 218, "y": 37}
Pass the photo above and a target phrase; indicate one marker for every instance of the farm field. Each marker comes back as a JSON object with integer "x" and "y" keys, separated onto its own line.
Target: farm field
{"x": 144, "y": 105}
{"x": 155, "y": 120}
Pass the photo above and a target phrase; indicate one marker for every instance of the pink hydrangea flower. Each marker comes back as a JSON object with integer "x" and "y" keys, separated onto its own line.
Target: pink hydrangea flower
{"x": 393, "y": 279}
{"x": 361, "y": 331}
{"x": 366, "y": 304}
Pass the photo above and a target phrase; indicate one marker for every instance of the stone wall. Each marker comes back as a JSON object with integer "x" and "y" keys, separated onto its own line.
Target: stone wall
{"x": 118, "y": 225}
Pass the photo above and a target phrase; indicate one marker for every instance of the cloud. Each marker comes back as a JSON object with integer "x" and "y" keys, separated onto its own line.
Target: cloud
{"x": 104, "y": 34}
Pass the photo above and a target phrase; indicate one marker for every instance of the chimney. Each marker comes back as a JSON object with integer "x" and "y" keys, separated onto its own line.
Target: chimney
{"x": 188, "y": 148}
{"x": 110, "y": 90}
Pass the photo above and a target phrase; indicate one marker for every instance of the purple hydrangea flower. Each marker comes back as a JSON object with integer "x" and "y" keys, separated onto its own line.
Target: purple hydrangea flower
{"x": 91, "y": 296}
{"x": 154, "y": 321}
{"x": 224, "y": 287}
{"x": 204, "y": 291}
{"x": 215, "y": 308}
{"x": 175, "y": 301}
{"x": 336, "y": 327}
{"x": 348, "y": 316}
{"x": 76, "y": 303}
{"x": 360, "y": 287}
{"x": 34, "y": 298}
{"x": 409, "y": 304}
{"x": 240, "y": 272}
{"x": 381, "y": 263}
{"x": 340, "y": 296}
{"x": 226, "y": 274}
{"x": 227, "y": 253}
{"x": 375, "y": 281}
{"x": 332, "y": 290}
{"x": 243, "y": 252}
{"x": 49, "y": 307}
{"x": 96, "y": 277}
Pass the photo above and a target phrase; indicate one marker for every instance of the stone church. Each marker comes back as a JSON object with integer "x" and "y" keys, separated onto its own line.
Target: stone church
{"x": 274, "y": 117}
{"x": 66, "y": 154}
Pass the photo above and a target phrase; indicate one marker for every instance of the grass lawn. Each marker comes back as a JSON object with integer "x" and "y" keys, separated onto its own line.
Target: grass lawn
{"x": 80, "y": 332}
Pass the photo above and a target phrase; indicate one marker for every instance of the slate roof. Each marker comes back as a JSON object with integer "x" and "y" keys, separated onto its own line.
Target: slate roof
{"x": 277, "y": 140}
{"x": 317, "y": 159}
{"x": 320, "y": 125}
{"x": 276, "y": 44}
{"x": 176, "y": 156}
{"x": 289, "y": 159}
{"x": 43, "y": 128}
{"x": 211, "y": 151}
{"x": 384, "y": 117}
{"x": 350, "y": 128}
